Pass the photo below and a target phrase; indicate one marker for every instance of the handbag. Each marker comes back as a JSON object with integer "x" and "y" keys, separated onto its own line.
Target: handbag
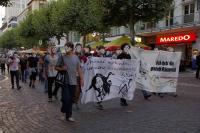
{"x": 61, "y": 76}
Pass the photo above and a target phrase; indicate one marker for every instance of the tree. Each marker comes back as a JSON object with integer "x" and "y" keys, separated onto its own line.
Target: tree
{"x": 129, "y": 12}
{"x": 5, "y": 2}
{"x": 26, "y": 33}
{"x": 8, "y": 39}
{"x": 80, "y": 17}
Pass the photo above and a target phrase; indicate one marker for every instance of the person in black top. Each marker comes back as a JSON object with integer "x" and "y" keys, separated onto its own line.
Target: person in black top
{"x": 198, "y": 65}
{"x": 124, "y": 55}
{"x": 33, "y": 65}
{"x": 23, "y": 64}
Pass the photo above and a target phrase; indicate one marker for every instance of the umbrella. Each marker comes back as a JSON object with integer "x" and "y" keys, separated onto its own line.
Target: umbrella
{"x": 112, "y": 48}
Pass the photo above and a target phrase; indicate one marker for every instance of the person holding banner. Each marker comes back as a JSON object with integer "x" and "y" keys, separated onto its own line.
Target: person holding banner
{"x": 124, "y": 55}
{"x": 71, "y": 64}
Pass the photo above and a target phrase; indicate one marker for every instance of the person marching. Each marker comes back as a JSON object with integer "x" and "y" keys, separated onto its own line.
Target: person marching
{"x": 50, "y": 73}
{"x": 71, "y": 64}
{"x": 14, "y": 70}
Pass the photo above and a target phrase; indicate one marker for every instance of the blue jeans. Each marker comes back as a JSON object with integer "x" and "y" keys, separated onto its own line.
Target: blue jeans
{"x": 46, "y": 85}
{"x": 68, "y": 93}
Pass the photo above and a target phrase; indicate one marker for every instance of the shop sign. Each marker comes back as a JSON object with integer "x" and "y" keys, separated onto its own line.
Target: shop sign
{"x": 181, "y": 38}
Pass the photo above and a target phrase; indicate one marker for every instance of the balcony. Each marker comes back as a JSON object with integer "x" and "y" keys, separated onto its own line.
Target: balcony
{"x": 177, "y": 22}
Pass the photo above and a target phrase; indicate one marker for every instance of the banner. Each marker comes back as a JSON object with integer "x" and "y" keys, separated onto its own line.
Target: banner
{"x": 106, "y": 78}
{"x": 158, "y": 70}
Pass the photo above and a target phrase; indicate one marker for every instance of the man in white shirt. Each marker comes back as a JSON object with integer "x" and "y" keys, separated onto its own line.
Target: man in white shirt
{"x": 14, "y": 70}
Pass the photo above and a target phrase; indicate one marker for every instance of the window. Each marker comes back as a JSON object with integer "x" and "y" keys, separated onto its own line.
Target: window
{"x": 186, "y": 9}
{"x": 170, "y": 18}
{"x": 189, "y": 9}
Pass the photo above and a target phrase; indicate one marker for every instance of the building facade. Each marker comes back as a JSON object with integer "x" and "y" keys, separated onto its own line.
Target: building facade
{"x": 179, "y": 30}
{"x": 12, "y": 12}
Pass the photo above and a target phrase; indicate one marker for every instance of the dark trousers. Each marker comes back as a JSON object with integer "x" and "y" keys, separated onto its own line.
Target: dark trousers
{"x": 57, "y": 86}
{"x": 51, "y": 80}
{"x": 68, "y": 93}
{"x": 16, "y": 75}
{"x": 8, "y": 68}
{"x": 23, "y": 75}
{"x": 145, "y": 93}
{"x": 3, "y": 69}
{"x": 197, "y": 72}
{"x": 122, "y": 100}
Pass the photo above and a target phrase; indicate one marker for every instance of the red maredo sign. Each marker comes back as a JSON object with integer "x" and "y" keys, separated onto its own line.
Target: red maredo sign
{"x": 178, "y": 38}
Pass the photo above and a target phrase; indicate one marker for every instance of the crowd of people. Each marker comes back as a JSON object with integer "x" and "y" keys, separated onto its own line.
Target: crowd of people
{"x": 56, "y": 69}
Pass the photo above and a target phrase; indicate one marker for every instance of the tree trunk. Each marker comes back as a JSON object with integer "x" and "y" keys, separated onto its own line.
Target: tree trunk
{"x": 58, "y": 38}
{"x": 84, "y": 40}
{"x": 103, "y": 38}
{"x": 132, "y": 32}
{"x": 67, "y": 37}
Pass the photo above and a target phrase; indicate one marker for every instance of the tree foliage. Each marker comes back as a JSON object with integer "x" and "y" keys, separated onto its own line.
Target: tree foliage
{"x": 8, "y": 39}
{"x": 129, "y": 12}
{"x": 83, "y": 16}
{"x": 5, "y": 2}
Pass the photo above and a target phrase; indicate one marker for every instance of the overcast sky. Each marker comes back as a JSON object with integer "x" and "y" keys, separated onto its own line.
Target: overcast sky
{"x": 2, "y": 14}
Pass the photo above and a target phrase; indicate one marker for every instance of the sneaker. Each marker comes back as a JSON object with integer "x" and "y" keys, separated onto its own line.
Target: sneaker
{"x": 70, "y": 119}
{"x": 99, "y": 106}
{"x": 175, "y": 95}
{"x": 62, "y": 118}
{"x": 56, "y": 97}
{"x": 19, "y": 87}
{"x": 147, "y": 97}
{"x": 50, "y": 100}
{"x": 77, "y": 107}
{"x": 124, "y": 104}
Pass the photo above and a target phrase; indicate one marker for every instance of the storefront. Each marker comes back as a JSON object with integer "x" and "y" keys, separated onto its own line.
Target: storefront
{"x": 179, "y": 42}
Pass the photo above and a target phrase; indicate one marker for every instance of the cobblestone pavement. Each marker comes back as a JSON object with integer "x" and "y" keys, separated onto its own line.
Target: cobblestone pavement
{"x": 27, "y": 111}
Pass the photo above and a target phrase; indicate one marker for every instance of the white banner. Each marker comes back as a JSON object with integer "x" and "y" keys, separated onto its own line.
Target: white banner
{"x": 158, "y": 70}
{"x": 106, "y": 78}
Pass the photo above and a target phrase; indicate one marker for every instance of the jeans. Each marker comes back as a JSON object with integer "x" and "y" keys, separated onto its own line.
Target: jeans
{"x": 197, "y": 72}
{"x": 46, "y": 85}
{"x": 57, "y": 86}
{"x": 23, "y": 73}
{"x": 68, "y": 93}
{"x": 51, "y": 80}
{"x": 16, "y": 75}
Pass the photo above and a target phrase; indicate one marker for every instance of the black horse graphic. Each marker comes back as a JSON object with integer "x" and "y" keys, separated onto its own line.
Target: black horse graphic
{"x": 101, "y": 85}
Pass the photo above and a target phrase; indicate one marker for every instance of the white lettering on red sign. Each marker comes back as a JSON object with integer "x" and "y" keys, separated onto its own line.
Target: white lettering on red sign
{"x": 177, "y": 38}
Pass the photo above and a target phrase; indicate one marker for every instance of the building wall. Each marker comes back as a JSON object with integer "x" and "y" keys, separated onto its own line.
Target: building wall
{"x": 196, "y": 45}
{"x": 17, "y": 7}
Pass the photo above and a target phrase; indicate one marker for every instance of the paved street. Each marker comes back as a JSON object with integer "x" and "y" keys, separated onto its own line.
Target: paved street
{"x": 27, "y": 111}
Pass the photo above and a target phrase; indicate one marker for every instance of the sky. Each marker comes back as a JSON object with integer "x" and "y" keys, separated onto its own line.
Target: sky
{"x": 2, "y": 14}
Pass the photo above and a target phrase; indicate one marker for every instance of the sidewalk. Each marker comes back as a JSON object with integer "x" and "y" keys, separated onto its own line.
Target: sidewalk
{"x": 27, "y": 111}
